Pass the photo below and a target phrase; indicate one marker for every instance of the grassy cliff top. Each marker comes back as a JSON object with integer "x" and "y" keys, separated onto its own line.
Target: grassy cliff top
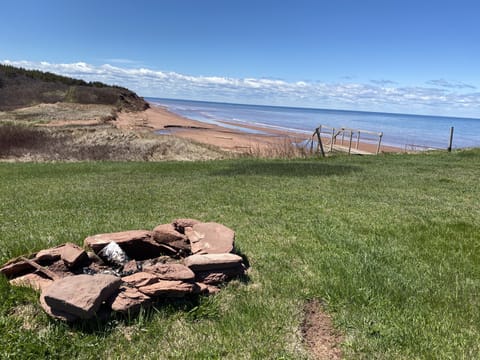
{"x": 20, "y": 88}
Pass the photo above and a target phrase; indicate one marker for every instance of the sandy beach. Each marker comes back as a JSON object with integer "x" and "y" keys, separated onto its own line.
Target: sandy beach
{"x": 239, "y": 139}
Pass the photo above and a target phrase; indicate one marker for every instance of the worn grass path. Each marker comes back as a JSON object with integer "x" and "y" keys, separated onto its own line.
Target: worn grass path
{"x": 390, "y": 244}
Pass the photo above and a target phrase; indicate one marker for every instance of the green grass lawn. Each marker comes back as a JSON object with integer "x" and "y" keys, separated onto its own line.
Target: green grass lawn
{"x": 391, "y": 245}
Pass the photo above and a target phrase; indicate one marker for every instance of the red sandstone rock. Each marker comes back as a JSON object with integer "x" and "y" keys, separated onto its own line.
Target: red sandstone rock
{"x": 56, "y": 313}
{"x": 218, "y": 276}
{"x": 16, "y": 267}
{"x": 181, "y": 224}
{"x": 210, "y": 238}
{"x": 80, "y": 295}
{"x": 33, "y": 280}
{"x": 137, "y": 244}
{"x": 206, "y": 289}
{"x": 202, "y": 288}
{"x": 94, "y": 258}
{"x": 209, "y": 262}
{"x": 73, "y": 255}
{"x": 171, "y": 272}
{"x": 168, "y": 288}
{"x": 212, "y": 290}
{"x": 166, "y": 234}
{"x": 129, "y": 300}
{"x": 140, "y": 279}
{"x": 49, "y": 255}
{"x": 130, "y": 267}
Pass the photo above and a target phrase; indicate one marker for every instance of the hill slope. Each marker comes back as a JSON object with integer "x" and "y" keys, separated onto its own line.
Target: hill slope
{"x": 20, "y": 88}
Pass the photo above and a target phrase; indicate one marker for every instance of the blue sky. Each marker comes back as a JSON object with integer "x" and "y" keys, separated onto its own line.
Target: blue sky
{"x": 379, "y": 55}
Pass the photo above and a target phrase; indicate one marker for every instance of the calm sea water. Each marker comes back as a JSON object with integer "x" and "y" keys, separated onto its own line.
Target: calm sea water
{"x": 398, "y": 129}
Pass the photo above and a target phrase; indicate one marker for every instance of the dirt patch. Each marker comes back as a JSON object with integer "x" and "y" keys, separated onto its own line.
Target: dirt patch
{"x": 27, "y": 314}
{"x": 318, "y": 332}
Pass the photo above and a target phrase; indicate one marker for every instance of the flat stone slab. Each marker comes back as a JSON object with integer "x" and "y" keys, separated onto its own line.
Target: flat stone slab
{"x": 166, "y": 288}
{"x": 16, "y": 267}
{"x": 80, "y": 295}
{"x": 137, "y": 244}
{"x": 140, "y": 279}
{"x": 166, "y": 233}
{"x": 49, "y": 255}
{"x": 129, "y": 300}
{"x": 171, "y": 272}
{"x": 210, "y": 262}
{"x": 33, "y": 280}
{"x": 73, "y": 255}
{"x": 210, "y": 238}
{"x": 55, "y": 313}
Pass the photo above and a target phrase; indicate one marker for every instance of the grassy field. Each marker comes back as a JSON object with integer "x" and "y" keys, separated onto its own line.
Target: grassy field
{"x": 390, "y": 245}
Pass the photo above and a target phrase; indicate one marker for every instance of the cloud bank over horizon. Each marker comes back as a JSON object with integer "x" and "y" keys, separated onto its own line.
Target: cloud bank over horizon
{"x": 435, "y": 97}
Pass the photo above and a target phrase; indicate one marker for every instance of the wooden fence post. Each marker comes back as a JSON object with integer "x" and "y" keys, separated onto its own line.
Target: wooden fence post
{"x": 379, "y": 142}
{"x": 451, "y": 140}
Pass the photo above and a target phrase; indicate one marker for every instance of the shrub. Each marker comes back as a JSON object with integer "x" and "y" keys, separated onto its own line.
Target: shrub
{"x": 15, "y": 137}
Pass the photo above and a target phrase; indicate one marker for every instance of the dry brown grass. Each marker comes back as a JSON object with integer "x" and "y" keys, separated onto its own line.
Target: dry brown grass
{"x": 45, "y": 113}
{"x": 19, "y": 142}
{"x": 285, "y": 149}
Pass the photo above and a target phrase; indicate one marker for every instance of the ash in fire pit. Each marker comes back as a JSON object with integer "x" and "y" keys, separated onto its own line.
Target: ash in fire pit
{"x": 129, "y": 270}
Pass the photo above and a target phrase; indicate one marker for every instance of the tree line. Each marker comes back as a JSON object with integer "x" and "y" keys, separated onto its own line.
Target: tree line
{"x": 13, "y": 71}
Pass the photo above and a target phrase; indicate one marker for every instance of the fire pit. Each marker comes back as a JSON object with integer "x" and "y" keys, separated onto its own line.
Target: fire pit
{"x": 126, "y": 271}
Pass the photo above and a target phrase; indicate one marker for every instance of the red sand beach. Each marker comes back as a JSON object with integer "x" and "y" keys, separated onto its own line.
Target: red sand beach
{"x": 235, "y": 140}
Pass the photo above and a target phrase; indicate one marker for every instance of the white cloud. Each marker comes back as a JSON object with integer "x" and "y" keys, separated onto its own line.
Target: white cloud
{"x": 445, "y": 98}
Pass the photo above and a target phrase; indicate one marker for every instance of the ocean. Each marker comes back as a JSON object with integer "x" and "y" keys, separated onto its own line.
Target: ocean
{"x": 401, "y": 130}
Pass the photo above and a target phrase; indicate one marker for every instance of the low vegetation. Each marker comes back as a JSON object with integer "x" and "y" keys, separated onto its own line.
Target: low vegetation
{"x": 388, "y": 245}
{"x": 22, "y": 142}
{"x": 20, "y": 88}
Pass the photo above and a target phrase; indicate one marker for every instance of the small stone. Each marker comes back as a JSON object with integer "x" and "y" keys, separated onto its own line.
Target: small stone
{"x": 33, "y": 280}
{"x": 202, "y": 288}
{"x": 169, "y": 289}
{"x": 215, "y": 277}
{"x": 140, "y": 279}
{"x": 73, "y": 255}
{"x": 210, "y": 238}
{"x": 206, "y": 289}
{"x": 212, "y": 261}
{"x": 212, "y": 290}
{"x": 129, "y": 300}
{"x": 80, "y": 295}
{"x": 171, "y": 272}
{"x": 138, "y": 244}
{"x": 131, "y": 267}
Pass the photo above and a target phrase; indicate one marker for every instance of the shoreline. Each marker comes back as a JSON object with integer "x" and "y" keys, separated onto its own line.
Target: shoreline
{"x": 232, "y": 137}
